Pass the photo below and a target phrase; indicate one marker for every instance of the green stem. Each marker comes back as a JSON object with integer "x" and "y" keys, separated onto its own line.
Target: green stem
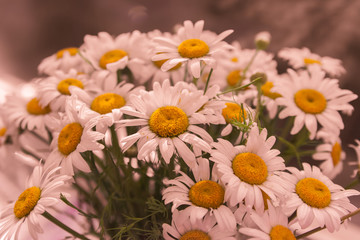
{"x": 258, "y": 105}
{"x": 249, "y": 64}
{"x": 67, "y": 202}
{"x": 54, "y": 220}
{"x": 293, "y": 148}
{"x": 239, "y": 88}
{"x": 207, "y": 81}
{"x": 353, "y": 183}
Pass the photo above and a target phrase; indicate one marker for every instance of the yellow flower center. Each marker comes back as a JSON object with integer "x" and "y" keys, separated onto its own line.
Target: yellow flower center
{"x": 34, "y": 108}
{"x": 168, "y": 121}
{"x": 106, "y": 102}
{"x": 250, "y": 168}
{"x": 280, "y": 232}
{"x": 313, "y": 192}
{"x": 193, "y": 48}
{"x": 26, "y": 202}
{"x": 233, "y": 112}
{"x": 63, "y": 86}
{"x": 69, "y": 138}
{"x": 207, "y": 194}
{"x": 336, "y": 153}
{"x": 266, "y": 89}
{"x": 233, "y": 77}
{"x": 308, "y": 61}
{"x": 234, "y": 59}
{"x": 111, "y": 56}
{"x": 195, "y": 235}
{"x": 73, "y": 51}
{"x": 2, "y": 131}
{"x": 310, "y": 101}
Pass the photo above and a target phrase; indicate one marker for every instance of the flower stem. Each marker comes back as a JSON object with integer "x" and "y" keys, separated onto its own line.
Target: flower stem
{"x": 315, "y": 230}
{"x": 54, "y": 220}
{"x": 207, "y": 81}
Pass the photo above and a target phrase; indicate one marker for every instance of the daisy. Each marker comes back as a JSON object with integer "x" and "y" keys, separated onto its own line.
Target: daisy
{"x": 183, "y": 229}
{"x": 54, "y": 90}
{"x": 299, "y": 58}
{"x": 192, "y": 46}
{"x": 43, "y": 192}
{"x": 73, "y": 135}
{"x": 204, "y": 196}
{"x": 313, "y": 99}
{"x": 248, "y": 170}
{"x": 64, "y": 60}
{"x": 26, "y": 113}
{"x": 107, "y": 99}
{"x": 236, "y": 113}
{"x": 331, "y": 153}
{"x": 272, "y": 224}
{"x": 112, "y": 53}
{"x": 316, "y": 199}
{"x": 168, "y": 114}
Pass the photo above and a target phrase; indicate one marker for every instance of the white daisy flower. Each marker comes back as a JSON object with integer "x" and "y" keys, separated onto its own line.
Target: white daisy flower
{"x": 271, "y": 225}
{"x": 331, "y": 153}
{"x": 54, "y": 90}
{"x": 26, "y": 113}
{"x": 313, "y": 99}
{"x": 299, "y": 58}
{"x": 204, "y": 196}
{"x": 112, "y": 53}
{"x": 106, "y": 100}
{"x": 73, "y": 135}
{"x": 192, "y": 46}
{"x": 235, "y": 112}
{"x": 249, "y": 170}
{"x": 183, "y": 229}
{"x": 237, "y": 65}
{"x": 43, "y": 191}
{"x": 316, "y": 199}
{"x": 169, "y": 115}
{"x": 64, "y": 60}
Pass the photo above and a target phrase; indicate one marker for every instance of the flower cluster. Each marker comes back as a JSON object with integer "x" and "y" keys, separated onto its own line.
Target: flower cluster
{"x": 181, "y": 136}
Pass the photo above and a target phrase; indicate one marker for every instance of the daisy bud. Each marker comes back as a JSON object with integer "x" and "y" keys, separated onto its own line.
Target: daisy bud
{"x": 262, "y": 40}
{"x": 261, "y": 81}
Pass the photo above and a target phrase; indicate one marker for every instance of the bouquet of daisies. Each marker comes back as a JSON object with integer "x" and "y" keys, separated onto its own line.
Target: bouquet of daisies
{"x": 176, "y": 136}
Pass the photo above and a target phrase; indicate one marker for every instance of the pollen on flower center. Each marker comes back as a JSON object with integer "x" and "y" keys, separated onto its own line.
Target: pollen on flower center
{"x": 233, "y": 77}
{"x": 193, "y": 48}
{"x": 112, "y": 56}
{"x": 72, "y": 51}
{"x": 168, "y": 121}
{"x": 266, "y": 89}
{"x": 313, "y": 192}
{"x": 106, "y": 102}
{"x": 280, "y": 232}
{"x": 250, "y": 168}
{"x": 336, "y": 153}
{"x": 310, "y": 101}
{"x": 69, "y": 138}
{"x": 3, "y": 131}
{"x": 233, "y": 112}
{"x": 207, "y": 194}
{"x": 26, "y": 202}
{"x": 308, "y": 61}
{"x": 63, "y": 86}
{"x": 34, "y": 108}
{"x": 195, "y": 235}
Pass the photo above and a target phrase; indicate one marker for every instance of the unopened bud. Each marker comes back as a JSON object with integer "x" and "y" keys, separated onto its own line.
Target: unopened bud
{"x": 262, "y": 40}
{"x": 261, "y": 81}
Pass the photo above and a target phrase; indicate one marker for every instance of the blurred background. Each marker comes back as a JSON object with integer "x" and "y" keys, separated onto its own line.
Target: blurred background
{"x": 31, "y": 30}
